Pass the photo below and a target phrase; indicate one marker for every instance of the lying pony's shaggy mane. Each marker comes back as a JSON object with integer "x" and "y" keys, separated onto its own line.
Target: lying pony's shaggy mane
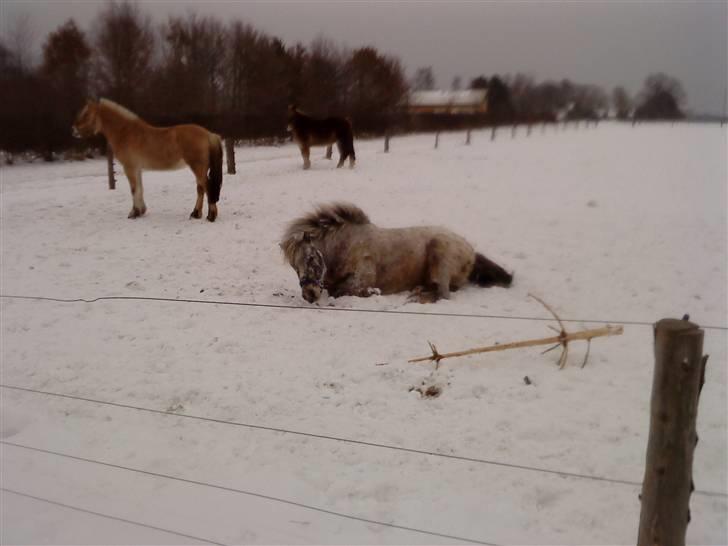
{"x": 317, "y": 224}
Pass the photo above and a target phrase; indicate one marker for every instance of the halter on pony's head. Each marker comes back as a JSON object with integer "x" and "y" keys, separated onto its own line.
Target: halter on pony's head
{"x": 311, "y": 269}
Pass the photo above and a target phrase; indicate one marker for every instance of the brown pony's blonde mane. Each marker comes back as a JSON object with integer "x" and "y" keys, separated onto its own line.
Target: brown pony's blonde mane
{"x": 118, "y": 108}
{"x": 320, "y": 223}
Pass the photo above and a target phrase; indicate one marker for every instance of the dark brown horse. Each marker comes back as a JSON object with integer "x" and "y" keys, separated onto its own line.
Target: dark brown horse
{"x": 308, "y": 131}
{"x": 336, "y": 247}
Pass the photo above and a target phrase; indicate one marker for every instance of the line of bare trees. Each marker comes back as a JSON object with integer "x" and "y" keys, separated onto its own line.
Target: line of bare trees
{"x": 238, "y": 81}
{"x": 228, "y": 76}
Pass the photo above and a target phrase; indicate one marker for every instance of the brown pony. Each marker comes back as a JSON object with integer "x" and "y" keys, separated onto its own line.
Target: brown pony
{"x": 139, "y": 146}
{"x": 308, "y": 131}
{"x": 336, "y": 247}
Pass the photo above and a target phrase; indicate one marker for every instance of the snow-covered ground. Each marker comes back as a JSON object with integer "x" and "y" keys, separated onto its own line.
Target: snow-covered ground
{"x": 618, "y": 224}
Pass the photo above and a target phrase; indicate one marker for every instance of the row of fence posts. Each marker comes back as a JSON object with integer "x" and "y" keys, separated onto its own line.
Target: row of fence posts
{"x": 230, "y": 144}
{"x": 494, "y": 129}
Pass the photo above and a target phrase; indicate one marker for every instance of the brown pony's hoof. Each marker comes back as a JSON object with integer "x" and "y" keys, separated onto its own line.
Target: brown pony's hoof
{"x": 196, "y": 214}
{"x": 135, "y": 213}
{"x": 211, "y": 216}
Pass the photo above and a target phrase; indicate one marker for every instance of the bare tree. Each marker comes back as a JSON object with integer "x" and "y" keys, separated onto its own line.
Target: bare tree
{"x": 65, "y": 70}
{"x": 125, "y": 45}
{"x": 661, "y": 97}
{"x": 621, "y": 102}
{"x": 323, "y": 78}
{"x": 377, "y": 87}
{"x": 481, "y": 82}
{"x": 193, "y": 52}
{"x": 21, "y": 38}
{"x": 424, "y": 80}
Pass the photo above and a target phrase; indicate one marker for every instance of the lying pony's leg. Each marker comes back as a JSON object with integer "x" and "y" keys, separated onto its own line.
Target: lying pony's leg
{"x": 358, "y": 283}
{"x": 438, "y": 272}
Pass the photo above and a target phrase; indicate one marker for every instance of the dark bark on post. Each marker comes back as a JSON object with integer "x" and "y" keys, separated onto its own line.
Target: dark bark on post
{"x": 668, "y": 482}
{"x": 110, "y": 167}
{"x": 230, "y": 155}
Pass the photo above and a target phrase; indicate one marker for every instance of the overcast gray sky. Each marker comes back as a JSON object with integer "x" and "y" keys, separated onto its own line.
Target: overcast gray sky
{"x": 605, "y": 43}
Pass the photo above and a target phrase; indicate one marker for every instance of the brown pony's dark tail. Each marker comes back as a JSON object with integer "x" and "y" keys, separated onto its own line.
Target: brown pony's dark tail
{"x": 214, "y": 177}
{"x": 488, "y": 273}
{"x": 345, "y": 137}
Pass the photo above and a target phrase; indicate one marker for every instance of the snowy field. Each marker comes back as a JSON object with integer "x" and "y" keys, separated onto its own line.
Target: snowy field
{"x": 186, "y": 422}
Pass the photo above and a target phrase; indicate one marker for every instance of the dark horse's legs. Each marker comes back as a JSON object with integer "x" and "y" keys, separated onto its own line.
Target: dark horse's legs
{"x": 329, "y": 151}
{"x": 305, "y": 153}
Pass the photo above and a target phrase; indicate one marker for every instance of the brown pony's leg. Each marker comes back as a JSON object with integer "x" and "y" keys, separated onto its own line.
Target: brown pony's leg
{"x": 329, "y": 151}
{"x": 341, "y": 154}
{"x": 201, "y": 178}
{"x": 138, "y": 208}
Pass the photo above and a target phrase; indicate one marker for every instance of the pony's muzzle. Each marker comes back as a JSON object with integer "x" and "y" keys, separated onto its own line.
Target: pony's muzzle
{"x": 310, "y": 292}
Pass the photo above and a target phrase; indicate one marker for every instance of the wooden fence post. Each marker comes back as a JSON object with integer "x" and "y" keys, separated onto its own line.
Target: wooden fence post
{"x": 528, "y": 130}
{"x": 467, "y": 138}
{"x": 110, "y": 167}
{"x": 386, "y": 142}
{"x": 492, "y": 133}
{"x": 437, "y": 139}
{"x": 513, "y": 131}
{"x": 230, "y": 155}
{"x": 678, "y": 378}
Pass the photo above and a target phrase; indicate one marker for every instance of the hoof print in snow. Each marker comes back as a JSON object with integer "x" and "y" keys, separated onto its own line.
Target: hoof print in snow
{"x": 432, "y": 391}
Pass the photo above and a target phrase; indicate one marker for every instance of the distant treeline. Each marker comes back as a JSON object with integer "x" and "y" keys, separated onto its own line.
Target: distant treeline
{"x": 238, "y": 81}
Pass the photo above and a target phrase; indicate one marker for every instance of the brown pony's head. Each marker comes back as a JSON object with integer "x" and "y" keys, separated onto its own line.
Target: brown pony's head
{"x": 87, "y": 121}
{"x": 310, "y": 266}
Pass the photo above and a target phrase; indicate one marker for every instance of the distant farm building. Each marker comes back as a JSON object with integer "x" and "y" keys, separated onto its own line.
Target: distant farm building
{"x": 470, "y": 101}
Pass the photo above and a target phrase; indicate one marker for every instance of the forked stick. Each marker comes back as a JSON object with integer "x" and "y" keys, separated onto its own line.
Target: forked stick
{"x": 562, "y": 339}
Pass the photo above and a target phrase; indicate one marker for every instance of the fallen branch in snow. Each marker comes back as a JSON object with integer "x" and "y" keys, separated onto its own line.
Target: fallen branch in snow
{"x": 562, "y": 340}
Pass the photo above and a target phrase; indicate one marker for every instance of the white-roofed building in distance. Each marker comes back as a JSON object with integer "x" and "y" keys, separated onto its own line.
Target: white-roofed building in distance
{"x": 468, "y": 101}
